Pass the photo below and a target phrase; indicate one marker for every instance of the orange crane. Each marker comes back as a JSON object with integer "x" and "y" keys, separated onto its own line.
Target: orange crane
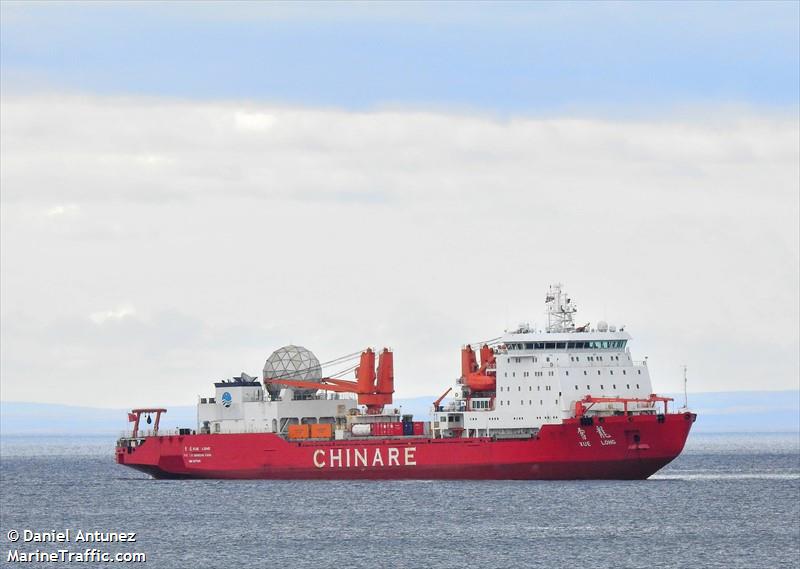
{"x": 373, "y": 390}
{"x": 439, "y": 401}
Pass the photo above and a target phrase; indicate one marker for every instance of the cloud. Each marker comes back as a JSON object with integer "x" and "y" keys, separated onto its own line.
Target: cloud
{"x": 114, "y": 314}
{"x": 236, "y": 227}
{"x": 253, "y": 121}
{"x": 61, "y": 210}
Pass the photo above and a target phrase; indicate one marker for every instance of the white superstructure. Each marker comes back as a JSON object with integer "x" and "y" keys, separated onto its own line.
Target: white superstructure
{"x": 541, "y": 375}
{"x": 247, "y": 408}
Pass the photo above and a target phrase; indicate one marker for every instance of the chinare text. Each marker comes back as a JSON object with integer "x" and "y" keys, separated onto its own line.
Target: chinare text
{"x": 364, "y": 457}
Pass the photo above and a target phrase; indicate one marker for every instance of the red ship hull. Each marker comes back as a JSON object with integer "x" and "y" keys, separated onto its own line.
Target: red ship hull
{"x": 618, "y": 447}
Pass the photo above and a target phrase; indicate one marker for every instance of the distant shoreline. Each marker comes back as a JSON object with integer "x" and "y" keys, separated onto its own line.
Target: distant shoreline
{"x": 718, "y": 412}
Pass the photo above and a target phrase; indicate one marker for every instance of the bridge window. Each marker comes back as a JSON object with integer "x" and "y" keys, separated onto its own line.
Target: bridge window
{"x": 560, "y": 345}
{"x": 529, "y": 346}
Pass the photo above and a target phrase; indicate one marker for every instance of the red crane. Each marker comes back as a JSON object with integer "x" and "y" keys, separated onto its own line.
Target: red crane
{"x": 373, "y": 390}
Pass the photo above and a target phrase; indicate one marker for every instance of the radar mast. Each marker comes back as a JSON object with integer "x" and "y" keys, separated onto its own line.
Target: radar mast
{"x": 560, "y": 310}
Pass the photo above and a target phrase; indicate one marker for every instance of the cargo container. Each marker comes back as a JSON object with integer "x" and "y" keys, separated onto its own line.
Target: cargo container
{"x": 361, "y": 430}
{"x": 419, "y": 428}
{"x": 408, "y": 428}
{"x": 298, "y": 431}
{"x": 387, "y": 429}
{"x": 321, "y": 431}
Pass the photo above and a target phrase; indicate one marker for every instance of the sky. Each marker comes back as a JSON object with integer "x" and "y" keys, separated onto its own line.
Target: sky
{"x": 186, "y": 187}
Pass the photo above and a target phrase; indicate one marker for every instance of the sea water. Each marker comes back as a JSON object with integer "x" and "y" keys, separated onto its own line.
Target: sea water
{"x": 729, "y": 501}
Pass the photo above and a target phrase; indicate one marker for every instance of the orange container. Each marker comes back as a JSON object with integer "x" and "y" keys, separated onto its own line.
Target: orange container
{"x": 322, "y": 431}
{"x": 298, "y": 431}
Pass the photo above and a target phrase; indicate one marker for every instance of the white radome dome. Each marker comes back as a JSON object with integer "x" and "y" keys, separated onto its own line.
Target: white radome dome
{"x": 293, "y": 362}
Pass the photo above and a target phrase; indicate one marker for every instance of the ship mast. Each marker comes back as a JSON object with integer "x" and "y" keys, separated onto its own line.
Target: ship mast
{"x": 685, "y": 391}
{"x": 560, "y": 310}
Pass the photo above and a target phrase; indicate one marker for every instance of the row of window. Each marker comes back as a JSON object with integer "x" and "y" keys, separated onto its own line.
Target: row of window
{"x": 485, "y": 404}
{"x": 572, "y": 359}
{"x": 592, "y": 358}
{"x": 528, "y": 374}
{"x": 530, "y": 388}
{"x": 522, "y": 402}
{"x": 587, "y": 345}
{"x": 610, "y": 372}
{"x": 550, "y": 373}
{"x": 613, "y": 386}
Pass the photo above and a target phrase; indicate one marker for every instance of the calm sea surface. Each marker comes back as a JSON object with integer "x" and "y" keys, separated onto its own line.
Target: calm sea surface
{"x": 729, "y": 501}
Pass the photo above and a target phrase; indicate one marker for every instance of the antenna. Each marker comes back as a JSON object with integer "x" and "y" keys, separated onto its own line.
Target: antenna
{"x": 685, "y": 392}
{"x": 560, "y": 310}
